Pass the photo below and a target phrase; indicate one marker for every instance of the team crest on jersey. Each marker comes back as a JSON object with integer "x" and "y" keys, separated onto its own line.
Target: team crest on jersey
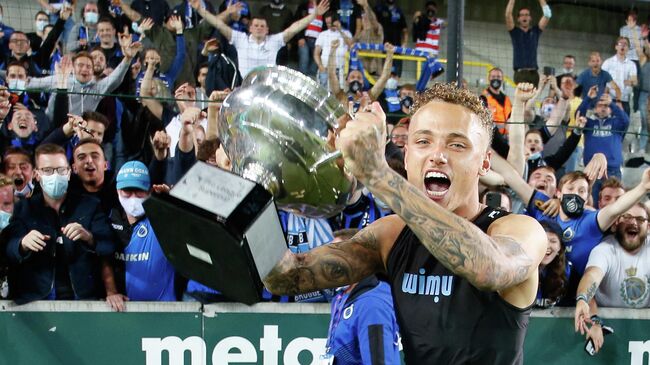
{"x": 634, "y": 290}
{"x": 347, "y": 313}
{"x": 142, "y": 231}
{"x": 538, "y": 203}
{"x": 567, "y": 235}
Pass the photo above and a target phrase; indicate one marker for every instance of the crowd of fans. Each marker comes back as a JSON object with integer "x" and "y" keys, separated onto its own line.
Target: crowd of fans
{"x": 107, "y": 103}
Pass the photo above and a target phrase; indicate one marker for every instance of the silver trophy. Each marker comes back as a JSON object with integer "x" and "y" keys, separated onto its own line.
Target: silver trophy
{"x": 278, "y": 129}
{"x": 222, "y": 229}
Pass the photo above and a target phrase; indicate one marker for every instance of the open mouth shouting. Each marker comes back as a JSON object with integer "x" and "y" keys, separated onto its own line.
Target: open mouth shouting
{"x": 89, "y": 169}
{"x": 632, "y": 234}
{"x": 436, "y": 184}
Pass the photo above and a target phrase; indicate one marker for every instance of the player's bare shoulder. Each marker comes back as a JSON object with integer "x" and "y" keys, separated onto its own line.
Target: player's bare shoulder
{"x": 385, "y": 231}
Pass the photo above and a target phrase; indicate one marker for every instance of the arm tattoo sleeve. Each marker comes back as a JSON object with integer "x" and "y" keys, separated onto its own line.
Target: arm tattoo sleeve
{"x": 326, "y": 266}
{"x": 490, "y": 263}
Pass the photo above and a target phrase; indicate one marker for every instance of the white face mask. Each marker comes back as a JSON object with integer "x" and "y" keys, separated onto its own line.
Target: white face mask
{"x": 55, "y": 186}
{"x": 132, "y": 206}
{"x": 41, "y": 24}
{"x": 17, "y": 85}
{"x": 391, "y": 84}
{"x": 91, "y": 17}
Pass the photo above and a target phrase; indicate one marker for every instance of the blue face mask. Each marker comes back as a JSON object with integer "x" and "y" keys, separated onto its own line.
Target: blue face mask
{"x": 4, "y": 219}
{"x": 26, "y": 191}
{"x": 91, "y": 17}
{"x": 535, "y": 156}
{"x": 55, "y": 185}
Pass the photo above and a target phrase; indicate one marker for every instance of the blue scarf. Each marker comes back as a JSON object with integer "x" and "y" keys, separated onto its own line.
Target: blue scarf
{"x": 431, "y": 68}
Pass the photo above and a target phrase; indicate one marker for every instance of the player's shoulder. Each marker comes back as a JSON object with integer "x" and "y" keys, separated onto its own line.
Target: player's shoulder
{"x": 515, "y": 223}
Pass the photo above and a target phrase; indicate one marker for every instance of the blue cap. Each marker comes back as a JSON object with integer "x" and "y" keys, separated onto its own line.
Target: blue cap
{"x": 133, "y": 175}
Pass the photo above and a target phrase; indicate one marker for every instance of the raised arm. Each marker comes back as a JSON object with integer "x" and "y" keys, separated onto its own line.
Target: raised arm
{"x": 154, "y": 106}
{"x": 510, "y": 22}
{"x": 516, "y": 158}
{"x": 332, "y": 265}
{"x": 608, "y": 215}
{"x": 557, "y": 115}
{"x": 114, "y": 79}
{"x": 301, "y": 24}
{"x": 512, "y": 178}
{"x": 42, "y": 57}
{"x": 186, "y": 136}
{"x": 133, "y": 15}
{"x": 501, "y": 260}
{"x": 213, "y": 113}
{"x": 638, "y": 47}
{"x": 372, "y": 18}
{"x": 378, "y": 87}
{"x": 218, "y": 21}
{"x": 546, "y": 10}
{"x": 179, "y": 57}
{"x": 331, "y": 69}
{"x": 617, "y": 90}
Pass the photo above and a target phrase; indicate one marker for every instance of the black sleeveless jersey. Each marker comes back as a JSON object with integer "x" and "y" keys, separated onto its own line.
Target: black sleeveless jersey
{"x": 443, "y": 318}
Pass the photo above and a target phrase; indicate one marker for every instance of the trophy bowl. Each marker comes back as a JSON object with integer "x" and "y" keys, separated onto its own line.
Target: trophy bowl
{"x": 278, "y": 130}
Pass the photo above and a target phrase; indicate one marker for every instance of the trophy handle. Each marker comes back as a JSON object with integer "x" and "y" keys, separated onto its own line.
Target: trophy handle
{"x": 323, "y": 160}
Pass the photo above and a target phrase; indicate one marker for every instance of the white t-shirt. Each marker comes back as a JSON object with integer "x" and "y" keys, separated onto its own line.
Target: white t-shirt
{"x": 620, "y": 72}
{"x": 627, "y": 276}
{"x": 325, "y": 40}
{"x": 252, "y": 54}
{"x": 173, "y": 129}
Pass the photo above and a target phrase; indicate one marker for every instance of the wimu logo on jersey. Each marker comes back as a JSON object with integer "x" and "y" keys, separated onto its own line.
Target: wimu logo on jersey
{"x": 421, "y": 284}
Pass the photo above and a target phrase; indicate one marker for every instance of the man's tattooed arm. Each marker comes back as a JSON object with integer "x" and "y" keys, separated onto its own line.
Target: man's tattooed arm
{"x": 590, "y": 282}
{"x": 327, "y": 266}
{"x": 493, "y": 262}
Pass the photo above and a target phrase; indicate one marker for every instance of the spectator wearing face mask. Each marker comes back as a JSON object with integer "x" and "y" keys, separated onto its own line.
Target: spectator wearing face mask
{"x": 141, "y": 268}
{"x": 427, "y": 28}
{"x": 606, "y": 132}
{"x": 397, "y": 100}
{"x": 36, "y": 63}
{"x": 582, "y": 228}
{"x": 41, "y": 20}
{"x": 56, "y": 237}
{"x": 498, "y": 102}
{"x": 83, "y": 34}
{"x": 568, "y": 65}
{"x": 354, "y": 83}
{"x": 17, "y": 83}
